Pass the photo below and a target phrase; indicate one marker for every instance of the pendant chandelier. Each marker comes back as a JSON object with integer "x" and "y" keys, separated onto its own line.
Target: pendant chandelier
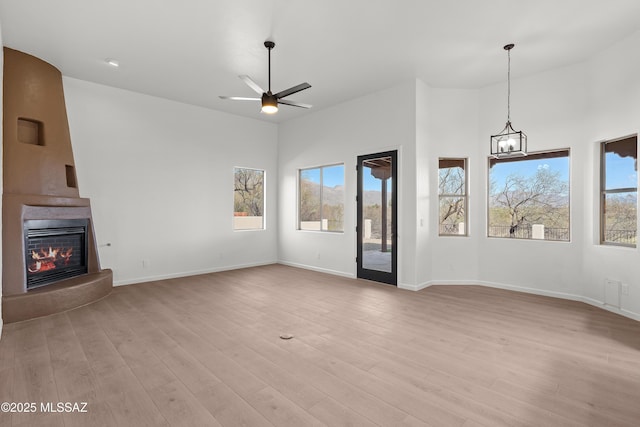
{"x": 509, "y": 142}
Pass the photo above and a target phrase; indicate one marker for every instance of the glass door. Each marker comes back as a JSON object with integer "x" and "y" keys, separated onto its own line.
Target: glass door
{"x": 377, "y": 215}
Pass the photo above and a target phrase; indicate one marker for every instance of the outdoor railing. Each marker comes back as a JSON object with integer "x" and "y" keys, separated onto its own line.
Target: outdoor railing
{"x": 449, "y": 229}
{"x": 628, "y": 237}
{"x": 525, "y": 232}
{"x": 550, "y": 233}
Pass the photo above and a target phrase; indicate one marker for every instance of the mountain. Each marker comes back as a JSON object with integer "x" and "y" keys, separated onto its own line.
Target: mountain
{"x": 336, "y": 195}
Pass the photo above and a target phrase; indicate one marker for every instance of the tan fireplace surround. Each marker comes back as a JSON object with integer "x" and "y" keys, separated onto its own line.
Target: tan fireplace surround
{"x": 39, "y": 182}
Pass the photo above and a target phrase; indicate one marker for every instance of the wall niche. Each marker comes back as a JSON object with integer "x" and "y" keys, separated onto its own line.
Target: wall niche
{"x": 30, "y": 131}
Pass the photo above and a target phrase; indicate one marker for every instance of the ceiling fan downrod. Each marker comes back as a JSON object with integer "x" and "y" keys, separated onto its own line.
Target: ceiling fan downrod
{"x": 269, "y": 45}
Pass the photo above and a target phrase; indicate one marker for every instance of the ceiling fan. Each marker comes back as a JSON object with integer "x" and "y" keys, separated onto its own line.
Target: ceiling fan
{"x": 270, "y": 100}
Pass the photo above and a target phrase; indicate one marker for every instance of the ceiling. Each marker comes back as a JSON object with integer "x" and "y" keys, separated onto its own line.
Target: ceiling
{"x": 193, "y": 50}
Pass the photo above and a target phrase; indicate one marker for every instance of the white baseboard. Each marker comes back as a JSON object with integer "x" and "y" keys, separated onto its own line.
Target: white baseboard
{"x": 621, "y": 311}
{"x": 425, "y": 285}
{"x": 535, "y": 291}
{"x": 543, "y": 292}
{"x": 404, "y": 286}
{"x": 188, "y": 273}
{"x": 627, "y": 313}
{"x": 318, "y": 269}
{"x": 416, "y": 288}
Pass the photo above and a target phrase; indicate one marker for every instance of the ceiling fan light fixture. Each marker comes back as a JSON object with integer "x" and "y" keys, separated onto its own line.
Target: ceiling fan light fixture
{"x": 269, "y": 103}
{"x": 269, "y": 99}
{"x": 509, "y": 142}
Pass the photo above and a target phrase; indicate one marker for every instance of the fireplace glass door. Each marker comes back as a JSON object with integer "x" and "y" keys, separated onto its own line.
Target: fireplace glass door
{"x": 54, "y": 250}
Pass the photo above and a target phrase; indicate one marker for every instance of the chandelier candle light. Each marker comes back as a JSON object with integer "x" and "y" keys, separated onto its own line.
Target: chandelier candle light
{"x": 509, "y": 142}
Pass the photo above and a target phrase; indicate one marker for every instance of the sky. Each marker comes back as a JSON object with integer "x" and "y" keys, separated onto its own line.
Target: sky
{"x": 620, "y": 172}
{"x": 334, "y": 176}
{"x": 526, "y": 168}
{"x": 373, "y": 184}
{"x": 331, "y": 175}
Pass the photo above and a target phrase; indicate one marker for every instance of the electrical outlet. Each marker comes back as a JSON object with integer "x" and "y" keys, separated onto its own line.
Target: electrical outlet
{"x": 612, "y": 291}
{"x": 625, "y": 289}
{"x": 145, "y": 263}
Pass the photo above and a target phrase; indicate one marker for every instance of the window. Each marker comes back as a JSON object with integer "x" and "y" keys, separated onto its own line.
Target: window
{"x": 619, "y": 192}
{"x": 529, "y": 196}
{"x": 321, "y": 201}
{"x": 452, "y": 194}
{"x": 248, "y": 199}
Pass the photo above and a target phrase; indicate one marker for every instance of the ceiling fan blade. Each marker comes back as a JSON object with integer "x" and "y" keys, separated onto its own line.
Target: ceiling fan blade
{"x": 292, "y": 90}
{"x": 240, "y": 98}
{"x": 253, "y": 85}
{"x": 294, "y": 104}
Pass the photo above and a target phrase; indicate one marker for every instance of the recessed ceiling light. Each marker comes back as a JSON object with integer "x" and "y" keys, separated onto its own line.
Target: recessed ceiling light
{"x": 112, "y": 62}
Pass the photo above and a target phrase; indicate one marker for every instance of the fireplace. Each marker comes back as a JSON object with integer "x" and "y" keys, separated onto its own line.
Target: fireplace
{"x": 48, "y": 235}
{"x": 54, "y": 250}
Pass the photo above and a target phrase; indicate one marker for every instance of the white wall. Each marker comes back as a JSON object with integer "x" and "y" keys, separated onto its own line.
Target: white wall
{"x": 550, "y": 108}
{"x": 452, "y": 131}
{"x": 425, "y": 195}
{"x": 614, "y": 111}
{"x": 160, "y": 178}
{"x": 574, "y": 107}
{"x": 378, "y": 122}
{"x": 149, "y": 164}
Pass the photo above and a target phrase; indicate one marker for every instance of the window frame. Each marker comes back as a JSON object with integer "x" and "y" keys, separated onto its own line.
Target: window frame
{"x": 464, "y": 196}
{"x": 264, "y": 199}
{"x": 299, "y": 182}
{"x": 604, "y": 192}
{"x": 491, "y": 159}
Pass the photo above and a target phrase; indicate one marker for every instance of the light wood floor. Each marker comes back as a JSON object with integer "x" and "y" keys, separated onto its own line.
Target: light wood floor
{"x": 205, "y": 351}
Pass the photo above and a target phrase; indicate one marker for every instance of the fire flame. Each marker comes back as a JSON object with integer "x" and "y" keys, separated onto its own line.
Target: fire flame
{"x": 44, "y": 260}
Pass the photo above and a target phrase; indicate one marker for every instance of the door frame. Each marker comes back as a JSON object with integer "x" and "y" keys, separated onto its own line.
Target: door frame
{"x": 390, "y": 278}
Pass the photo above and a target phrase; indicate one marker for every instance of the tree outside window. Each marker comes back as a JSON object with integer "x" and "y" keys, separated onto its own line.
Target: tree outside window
{"x": 248, "y": 199}
{"x": 619, "y": 192}
{"x": 529, "y": 196}
{"x": 452, "y": 194}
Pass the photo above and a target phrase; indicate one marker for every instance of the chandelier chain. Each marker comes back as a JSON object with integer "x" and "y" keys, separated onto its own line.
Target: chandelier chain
{"x": 509, "y": 86}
